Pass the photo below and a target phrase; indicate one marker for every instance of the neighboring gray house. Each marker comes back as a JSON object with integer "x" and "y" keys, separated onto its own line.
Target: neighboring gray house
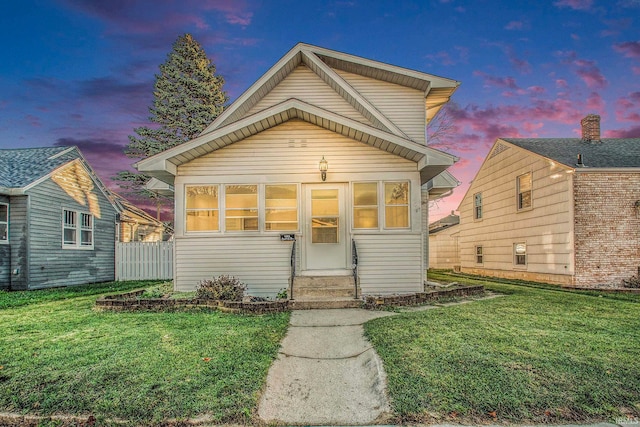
{"x": 57, "y": 225}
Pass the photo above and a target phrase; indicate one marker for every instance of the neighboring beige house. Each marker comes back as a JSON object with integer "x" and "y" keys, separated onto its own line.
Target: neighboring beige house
{"x": 134, "y": 224}
{"x": 326, "y": 148}
{"x": 443, "y": 243}
{"x": 558, "y": 210}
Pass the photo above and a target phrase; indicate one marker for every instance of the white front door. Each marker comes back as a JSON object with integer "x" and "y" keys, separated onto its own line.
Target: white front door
{"x": 325, "y": 229}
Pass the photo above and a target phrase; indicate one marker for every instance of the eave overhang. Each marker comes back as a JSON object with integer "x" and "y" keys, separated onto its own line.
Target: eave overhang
{"x": 163, "y": 166}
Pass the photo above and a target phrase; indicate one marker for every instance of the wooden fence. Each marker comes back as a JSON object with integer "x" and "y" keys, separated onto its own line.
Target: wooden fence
{"x": 144, "y": 260}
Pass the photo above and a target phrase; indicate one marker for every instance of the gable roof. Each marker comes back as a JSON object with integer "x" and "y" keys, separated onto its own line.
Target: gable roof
{"x": 438, "y": 90}
{"x": 234, "y": 125}
{"x": 126, "y": 209}
{"x": 609, "y": 153}
{"x": 444, "y": 223}
{"x": 22, "y": 167}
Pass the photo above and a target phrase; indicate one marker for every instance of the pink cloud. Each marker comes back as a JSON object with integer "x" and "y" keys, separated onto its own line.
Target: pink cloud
{"x": 575, "y": 4}
{"x": 516, "y": 25}
{"x": 504, "y": 82}
{"x": 446, "y": 57}
{"x": 636, "y": 70}
{"x": 561, "y": 83}
{"x": 33, "y": 121}
{"x": 595, "y": 103}
{"x": 586, "y": 70}
{"x": 519, "y": 64}
{"x": 536, "y": 90}
{"x": 628, "y": 49}
{"x": 628, "y": 108}
{"x": 632, "y": 132}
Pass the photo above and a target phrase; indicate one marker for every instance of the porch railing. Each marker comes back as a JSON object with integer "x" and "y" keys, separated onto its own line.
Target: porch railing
{"x": 354, "y": 265}
{"x": 293, "y": 269}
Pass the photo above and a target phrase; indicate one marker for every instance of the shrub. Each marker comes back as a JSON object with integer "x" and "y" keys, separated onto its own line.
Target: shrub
{"x": 282, "y": 294}
{"x": 225, "y": 288}
{"x": 632, "y": 282}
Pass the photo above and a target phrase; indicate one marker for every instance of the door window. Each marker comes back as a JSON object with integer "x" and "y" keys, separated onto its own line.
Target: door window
{"x": 325, "y": 216}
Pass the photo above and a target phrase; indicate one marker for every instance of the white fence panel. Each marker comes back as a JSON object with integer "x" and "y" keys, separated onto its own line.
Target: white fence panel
{"x": 144, "y": 260}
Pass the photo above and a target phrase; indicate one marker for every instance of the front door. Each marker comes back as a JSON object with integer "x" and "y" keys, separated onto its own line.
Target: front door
{"x": 325, "y": 229}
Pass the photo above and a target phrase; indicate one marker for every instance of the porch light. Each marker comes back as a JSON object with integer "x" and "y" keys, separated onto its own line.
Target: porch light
{"x": 324, "y": 167}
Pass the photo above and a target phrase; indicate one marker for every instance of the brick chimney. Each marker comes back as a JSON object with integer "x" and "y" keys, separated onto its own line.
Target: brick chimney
{"x": 591, "y": 128}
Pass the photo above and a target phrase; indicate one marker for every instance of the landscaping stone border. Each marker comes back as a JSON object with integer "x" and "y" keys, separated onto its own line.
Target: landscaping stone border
{"x": 374, "y": 302}
{"x": 131, "y": 301}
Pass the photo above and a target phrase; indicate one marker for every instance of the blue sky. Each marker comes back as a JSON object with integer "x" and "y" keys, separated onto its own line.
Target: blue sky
{"x": 81, "y": 72}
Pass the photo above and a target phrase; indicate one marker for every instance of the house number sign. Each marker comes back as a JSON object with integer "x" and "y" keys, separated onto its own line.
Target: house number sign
{"x": 288, "y": 237}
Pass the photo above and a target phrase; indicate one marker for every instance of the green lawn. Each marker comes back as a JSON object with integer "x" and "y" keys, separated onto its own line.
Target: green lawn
{"x": 538, "y": 354}
{"x": 59, "y": 355}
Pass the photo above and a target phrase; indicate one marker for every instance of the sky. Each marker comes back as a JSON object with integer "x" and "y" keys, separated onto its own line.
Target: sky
{"x": 81, "y": 72}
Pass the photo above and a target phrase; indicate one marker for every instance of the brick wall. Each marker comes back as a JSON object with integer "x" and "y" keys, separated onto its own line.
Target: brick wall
{"x": 607, "y": 228}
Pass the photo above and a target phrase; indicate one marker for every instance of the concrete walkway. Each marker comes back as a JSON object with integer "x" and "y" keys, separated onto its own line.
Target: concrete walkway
{"x": 326, "y": 372}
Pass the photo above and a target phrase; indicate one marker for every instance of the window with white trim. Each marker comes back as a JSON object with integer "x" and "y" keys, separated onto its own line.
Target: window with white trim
{"x": 520, "y": 254}
{"x": 241, "y": 207}
{"x": 524, "y": 186}
{"x": 477, "y": 206}
{"x": 396, "y": 204}
{"x": 479, "y": 255}
{"x": 281, "y": 207}
{"x": 202, "y": 208}
{"x": 77, "y": 230}
{"x": 4, "y": 223}
{"x": 365, "y": 205}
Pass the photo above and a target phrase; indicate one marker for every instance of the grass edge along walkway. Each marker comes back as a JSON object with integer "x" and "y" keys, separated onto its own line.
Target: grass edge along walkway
{"x": 539, "y": 355}
{"x": 60, "y": 356}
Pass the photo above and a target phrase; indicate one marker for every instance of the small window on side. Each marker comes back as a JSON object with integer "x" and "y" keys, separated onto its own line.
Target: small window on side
{"x": 524, "y": 187}
{"x": 520, "y": 254}
{"x": 477, "y": 206}
{"x": 479, "y": 255}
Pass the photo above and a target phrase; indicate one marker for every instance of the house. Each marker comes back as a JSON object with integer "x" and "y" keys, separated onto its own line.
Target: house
{"x": 557, "y": 210}
{"x": 57, "y": 224}
{"x": 327, "y": 149}
{"x": 443, "y": 243}
{"x": 136, "y": 225}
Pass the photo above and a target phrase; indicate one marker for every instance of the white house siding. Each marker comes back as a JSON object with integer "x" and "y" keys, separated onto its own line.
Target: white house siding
{"x": 18, "y": 240}
{"x": 262, "y": 262}
{"x": 444, "y": 252}
{"x": 404, "y": 106}
{"x": 295, "y": 148}
{"x": 304, "y": 84}
{"x": 547, "y": 228}
{"x": 389, "y": 263}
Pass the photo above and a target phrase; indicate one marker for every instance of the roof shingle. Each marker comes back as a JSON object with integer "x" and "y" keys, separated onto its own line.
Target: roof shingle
{"x": 609, "y": 153}
{"x": 20, "y": 167}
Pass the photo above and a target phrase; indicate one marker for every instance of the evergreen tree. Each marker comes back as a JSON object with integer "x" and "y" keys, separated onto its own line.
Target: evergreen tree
{"x": 188, "y": 96}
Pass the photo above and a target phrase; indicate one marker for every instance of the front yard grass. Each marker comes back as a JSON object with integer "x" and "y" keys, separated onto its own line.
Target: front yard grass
{"x": 539, "y": 354}
{"x": 58, "y": 355}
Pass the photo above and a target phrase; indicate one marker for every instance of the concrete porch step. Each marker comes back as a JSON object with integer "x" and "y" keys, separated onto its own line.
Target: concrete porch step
{"x": 323, "y": 286}
{"x": 310, "y": 303}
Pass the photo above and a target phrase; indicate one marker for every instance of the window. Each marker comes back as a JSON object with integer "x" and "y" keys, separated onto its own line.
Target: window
{"x": 77, "y": 230}
{"x": 396, "y": 205}
{"x": 524, "y": 191}
{"x": 281, "y": 207}
{"x": 202, "y": 208}
{"x": 4, "y": 223}
{"x": 520, "y": 253}
{"x": 325, "y": 216}
{"x": 365, "y": 205}
{"x": 477, "y": 206}
{"x": 241, "y": 207}
{"x": 479, "y": 258}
